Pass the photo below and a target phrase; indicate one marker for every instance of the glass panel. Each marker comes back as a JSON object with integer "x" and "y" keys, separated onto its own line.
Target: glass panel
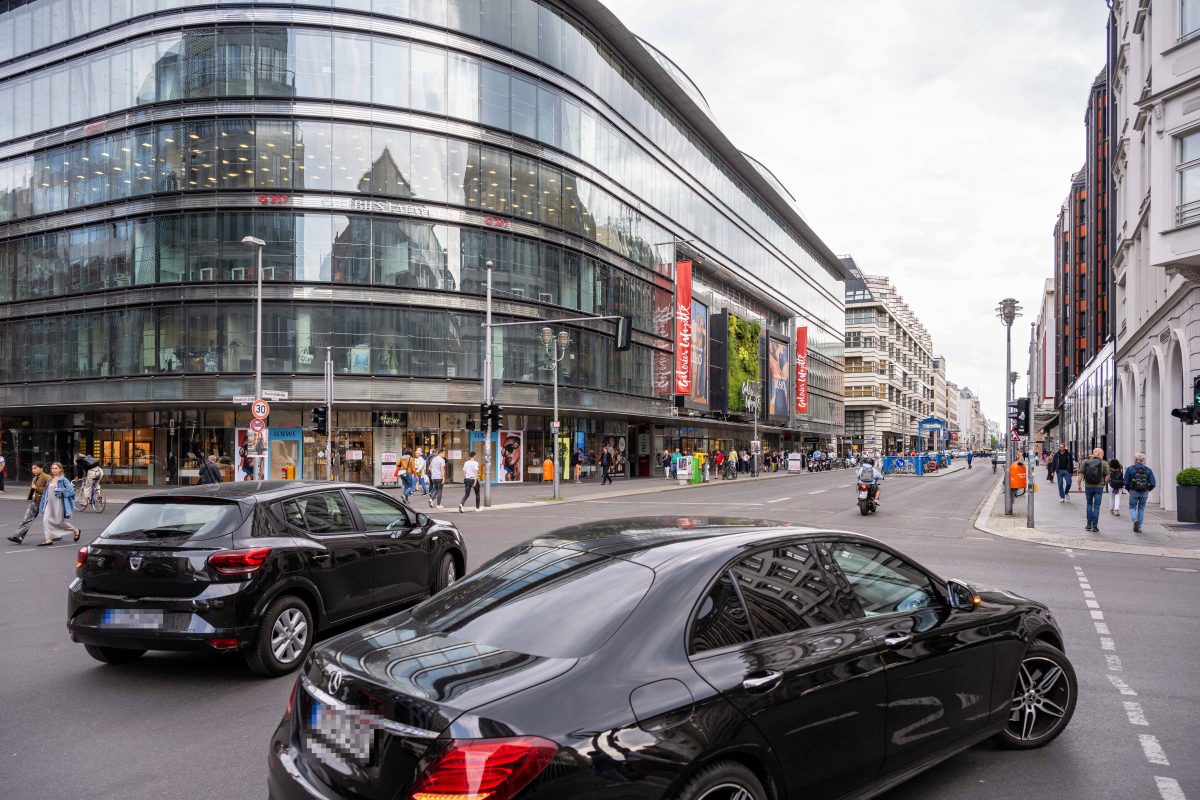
{"x": 314, "y": 246}
{"x": 313, "y": 153}
{"x": 273, "y": 154}
{"x": 198, "y": 64}
{"x": 882, "y": 582}
{"x": 463, "y": 87}
{"x": 352, "y": 168}
{"x": 235, "y": 62}
{"x": 429, "y": 167}
{"x": 495, "y": 102}
{"x": 273, "y": 76}
{"x": 310, "y": 60}
{"x": 1189, "y": 146}
{"x": 352, "y": 72}
{"x": 351, "y": 249}
{"x": 235, "y": 150}
{"x": 391, "y": 162}
{"x": 785, "y": 591}
{"x": 721, "y": 620}
{"x": 390, "y": 72}
{"x": 525, "y": 27}
{"x": 496, "y": 22}
{"x": 428, "y": 79}
{"x": 524, "y": 107}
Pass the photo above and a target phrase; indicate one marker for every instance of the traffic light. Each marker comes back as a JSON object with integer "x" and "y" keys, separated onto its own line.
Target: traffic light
{"x": 1196, "y": 391}
{"x": 319, "y": 419}
{"x": 624, "y": 333}
{"x": 1022, "y": 421}
{"x": 494, "y": 416}
{"x": 1189, "y": 414}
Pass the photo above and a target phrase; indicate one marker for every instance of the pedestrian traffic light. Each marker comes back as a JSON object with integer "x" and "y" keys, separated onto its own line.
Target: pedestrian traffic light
{"x": 319, "y": 419}
{"x": 624, "y": 333}
{"x": 1022, "y": 421}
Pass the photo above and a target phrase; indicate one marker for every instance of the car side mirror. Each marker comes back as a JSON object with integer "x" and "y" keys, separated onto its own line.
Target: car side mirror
{"x": 962, "y": 596}
{"x": 422, "y": 520}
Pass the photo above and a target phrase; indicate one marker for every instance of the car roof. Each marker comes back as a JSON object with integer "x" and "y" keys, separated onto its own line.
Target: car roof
{"x": 254, "y": 491}
{"x": 655, "y": 541}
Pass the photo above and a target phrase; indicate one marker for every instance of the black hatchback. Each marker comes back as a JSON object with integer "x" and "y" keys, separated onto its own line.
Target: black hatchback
{"x": 255, "y": 567}
{"x": 673, "y": 659}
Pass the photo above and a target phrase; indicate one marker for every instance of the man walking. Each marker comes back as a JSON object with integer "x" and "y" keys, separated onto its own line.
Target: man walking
{"x": 3, "y": 464}
{"x": 209, "y": 471}
{"x": 1139, "y": 482}
{"x": 470, "y": 481}
{"x": 606, "y": 462}
{"x": 437, "y": 478}
{"x": 1095, "y": 474}
{"x": 1063, "y": 465}
{"x": 970, "y": 458}
{"x": 36, "y": 488}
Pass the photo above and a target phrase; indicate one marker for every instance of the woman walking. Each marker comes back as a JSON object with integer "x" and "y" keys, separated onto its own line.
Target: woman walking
{"x": 1116, "y": 482}
{"x": 58, "y": 506}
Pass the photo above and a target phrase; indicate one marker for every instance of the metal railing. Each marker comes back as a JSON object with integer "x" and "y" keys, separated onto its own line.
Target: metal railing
{"x": 1187, "y": 213}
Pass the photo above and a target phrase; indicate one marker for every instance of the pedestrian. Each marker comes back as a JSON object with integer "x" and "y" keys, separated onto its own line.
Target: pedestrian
{"x": 37, "y": 488}
{"x": 404, "y": 473}
{"x": 418, "y": 469}
{"x": 88, "y": 468}
{"x": 470, "y": 481}
{"x": 3, "y": 467}
{"x": 57, "y": 506}
{"x": 606, "y": 462}
{"x": 675, "y": 463}
{"x": 437, "y": 478}
{"x": 1094, "y": 472}
{"x": 209, "y": 471}
{"x": 1116, "y": 482}
{"x": 577, "y": 465}
{"x": 970, "y": 458}
{"x": 1139, "y": 481}
{"x": 1063, "y": 465}
{"x": 666, "y": 464}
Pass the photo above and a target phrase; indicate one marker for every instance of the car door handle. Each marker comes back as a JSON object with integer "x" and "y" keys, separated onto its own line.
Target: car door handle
{"x": 383, "y": 549}
{"x": 322, "y": 558}
{"x": 897, "y": 641}
{"x": 762, "y": 681}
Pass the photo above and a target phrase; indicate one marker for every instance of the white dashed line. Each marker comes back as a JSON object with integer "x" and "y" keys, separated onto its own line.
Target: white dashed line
{"x": 818, "y": 491}
{"x": 1102, "y": 628}
{"x": 1135, "y": 713}
{"x": 1114, "y": 663}
{"x": 780, "y": 500}
{"x": 1169, "y": 788}
{"x": 1153, "y": 750}
{"x": 1089, "y": 594}
{"x": 1121, "y": 686}
{"x": 1097, "y": 615}
{"x": 1091, "y": 604}
{"x": 1107, "y": 643}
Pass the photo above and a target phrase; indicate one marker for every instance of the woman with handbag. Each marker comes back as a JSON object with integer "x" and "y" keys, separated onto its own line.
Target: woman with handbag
{"x": 58, "y": 506}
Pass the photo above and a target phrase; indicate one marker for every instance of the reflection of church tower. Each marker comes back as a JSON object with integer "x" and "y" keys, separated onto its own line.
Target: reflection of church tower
{"x": 385, "y": 176}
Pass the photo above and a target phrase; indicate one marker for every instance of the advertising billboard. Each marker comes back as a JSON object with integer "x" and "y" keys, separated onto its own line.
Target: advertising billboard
{"x": 744, "y": 361}
{"x": 778, "y": 372}
{"x": 802, "y": 370}
{"x": 683, "y": 327}
{"x": 699, "y": 354}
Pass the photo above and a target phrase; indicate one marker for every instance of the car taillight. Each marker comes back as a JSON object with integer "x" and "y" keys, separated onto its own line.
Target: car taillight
{"x": 239, "y": 562}
{"x": 287, "y": 712}
{"x": 484, "y": 769}
{"x": 82, "y": 556}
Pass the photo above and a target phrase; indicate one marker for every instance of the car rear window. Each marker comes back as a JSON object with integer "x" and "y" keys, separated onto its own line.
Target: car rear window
{"x": 542, "y": 601}
{"x": 175, "y": 518}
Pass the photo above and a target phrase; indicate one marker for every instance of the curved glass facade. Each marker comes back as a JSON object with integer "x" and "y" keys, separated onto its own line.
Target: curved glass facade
{"x": 140, "y": 140}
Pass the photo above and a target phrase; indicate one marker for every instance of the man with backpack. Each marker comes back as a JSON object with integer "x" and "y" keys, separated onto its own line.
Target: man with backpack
{"x": 1094, "y": 471}
{"x": 1063, "y": 466}
{"x": 209, "y": 471}
{"x": 1139, "y": 482}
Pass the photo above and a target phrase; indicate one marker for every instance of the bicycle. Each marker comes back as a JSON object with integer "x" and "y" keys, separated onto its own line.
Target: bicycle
{"x": 95, "y": 500}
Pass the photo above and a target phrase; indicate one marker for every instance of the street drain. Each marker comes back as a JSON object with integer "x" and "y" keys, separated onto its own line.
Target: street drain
{"x": 1180, "y": 569}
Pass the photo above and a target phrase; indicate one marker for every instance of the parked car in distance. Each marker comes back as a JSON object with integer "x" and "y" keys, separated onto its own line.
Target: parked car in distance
{"x": 673, "y": 659}
{"x": 253, "y": 567}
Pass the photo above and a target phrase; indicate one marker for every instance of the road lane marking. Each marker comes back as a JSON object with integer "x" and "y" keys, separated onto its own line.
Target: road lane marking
{"x": 1091, "y": 604}
{"x": 845, "y": 485}
{"x": 780, "y": 500}
{"x": 1083, "y": 585}
{"x": 1153, "y": 750}
{"x": 1107, "y": 643}
{"x": 1102, "y": 628}
{"x": 818, "y": 491}
{"x": 1135, "y": 713}
{"x": 1169, "y": 788}
{"x": 1088, "y": 594}
{"x": 1121, "y": 685}
{"x": 1097, "y": 614}
{"x": 1114, "y": 663}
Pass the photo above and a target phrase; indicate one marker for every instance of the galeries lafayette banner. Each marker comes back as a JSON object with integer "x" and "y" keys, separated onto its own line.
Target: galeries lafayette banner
{"x": 802, "y": 370}
{"x": 683, "y": 327}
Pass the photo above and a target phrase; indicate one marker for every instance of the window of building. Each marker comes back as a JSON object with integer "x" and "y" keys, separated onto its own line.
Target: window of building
{"x": 1188, "y": 160}
{"x": 1189, "y": 18}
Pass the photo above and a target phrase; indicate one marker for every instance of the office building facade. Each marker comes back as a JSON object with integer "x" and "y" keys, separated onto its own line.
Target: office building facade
{"x": 385, "y": 151}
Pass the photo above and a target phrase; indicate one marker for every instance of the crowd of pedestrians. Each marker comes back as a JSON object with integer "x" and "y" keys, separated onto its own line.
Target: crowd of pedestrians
{"x": 1093, "y": 476}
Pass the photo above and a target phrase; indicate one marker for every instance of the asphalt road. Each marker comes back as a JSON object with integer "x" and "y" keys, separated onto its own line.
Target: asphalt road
{"x": 197, "y": 727}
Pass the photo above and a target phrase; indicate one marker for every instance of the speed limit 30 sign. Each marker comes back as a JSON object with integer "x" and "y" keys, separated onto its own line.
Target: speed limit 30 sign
{"x": 260, "y": 409}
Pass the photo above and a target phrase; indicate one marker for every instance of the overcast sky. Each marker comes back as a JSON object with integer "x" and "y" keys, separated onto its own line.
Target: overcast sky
{"x": 933, "y": 140}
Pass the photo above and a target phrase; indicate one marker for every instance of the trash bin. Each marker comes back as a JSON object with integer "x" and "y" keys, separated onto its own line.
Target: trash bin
{"x": 1017, "y": 476}
{"x": 698, "y": 460}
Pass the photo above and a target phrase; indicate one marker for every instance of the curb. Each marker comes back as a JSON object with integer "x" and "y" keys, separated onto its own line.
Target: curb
{"x": 1034, "y": 536}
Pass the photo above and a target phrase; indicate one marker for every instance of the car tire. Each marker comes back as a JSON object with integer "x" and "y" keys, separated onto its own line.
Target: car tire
{"x": 284, "y": 637}
{"x": 113, "y": 655}
{"x": 724, "y": 780}
{"x": 1045, "y": 685}
{"x": 447, "y": 573}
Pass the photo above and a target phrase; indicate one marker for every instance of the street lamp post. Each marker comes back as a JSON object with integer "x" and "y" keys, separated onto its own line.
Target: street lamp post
{"x": 258, "y": 244}
{"x": 556, "y": 350}
{"x": 1008, "y": 311}
{"x": 487, "y": 391}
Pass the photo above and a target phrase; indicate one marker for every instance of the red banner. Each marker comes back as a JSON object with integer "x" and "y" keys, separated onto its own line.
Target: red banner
{"x": 683, "y": 327}
{"x": 802, "y": 370}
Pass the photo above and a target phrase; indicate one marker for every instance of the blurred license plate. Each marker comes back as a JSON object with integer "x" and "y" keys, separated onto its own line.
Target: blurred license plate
{"x": 132, "y": 618}
{"x": 346, "y": 735}
{"x": 862, "y": 495}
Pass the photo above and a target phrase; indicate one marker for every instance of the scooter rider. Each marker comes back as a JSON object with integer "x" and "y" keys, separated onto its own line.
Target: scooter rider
{"x": 868, "y": 474}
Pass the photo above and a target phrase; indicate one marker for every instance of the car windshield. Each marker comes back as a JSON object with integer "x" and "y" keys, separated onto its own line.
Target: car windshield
{"x": 543, "y": 601}
{"x": 193, "y": 519}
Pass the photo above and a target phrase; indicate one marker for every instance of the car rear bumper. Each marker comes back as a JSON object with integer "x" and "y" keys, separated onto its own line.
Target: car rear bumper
{"x": 285, "y": 781}
{"x": 185, "y": 624}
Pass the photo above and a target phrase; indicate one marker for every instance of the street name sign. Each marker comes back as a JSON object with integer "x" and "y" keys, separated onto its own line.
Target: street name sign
{"x": 243, "y": 399}
{"x": 274, "y": 394}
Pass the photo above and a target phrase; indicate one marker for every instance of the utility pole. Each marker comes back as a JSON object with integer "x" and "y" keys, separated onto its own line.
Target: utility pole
{"x": 556, "y": 350}
{"x": 1008, "y": 311}
{"x": 328, "y": 413}
{"x": 486, "y": 424}
{"x": 258, "y": 244}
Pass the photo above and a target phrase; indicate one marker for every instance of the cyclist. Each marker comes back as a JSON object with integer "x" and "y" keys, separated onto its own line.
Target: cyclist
{"x": 88, "y": 468}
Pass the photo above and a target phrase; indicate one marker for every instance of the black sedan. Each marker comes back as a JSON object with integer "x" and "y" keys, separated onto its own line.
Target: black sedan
{"x": 255, "y": 567}
{"x": 696, "y": 659}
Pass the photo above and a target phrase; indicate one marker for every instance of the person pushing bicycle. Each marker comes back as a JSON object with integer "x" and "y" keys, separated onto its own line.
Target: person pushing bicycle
{"x": 88, "y": 468}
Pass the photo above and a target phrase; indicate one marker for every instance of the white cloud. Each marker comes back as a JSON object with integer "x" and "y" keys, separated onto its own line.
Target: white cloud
{"x": 932, "y": 139}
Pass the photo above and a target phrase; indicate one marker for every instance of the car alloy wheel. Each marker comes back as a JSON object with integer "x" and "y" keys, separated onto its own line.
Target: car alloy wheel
{"x": 289, "y": 635}
{"x": 1041, "y": 700}
{"x": 728, "y": 791}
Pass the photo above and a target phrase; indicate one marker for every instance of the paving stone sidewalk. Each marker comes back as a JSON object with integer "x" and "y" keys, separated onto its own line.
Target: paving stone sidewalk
{"x": 1061, "y": 525}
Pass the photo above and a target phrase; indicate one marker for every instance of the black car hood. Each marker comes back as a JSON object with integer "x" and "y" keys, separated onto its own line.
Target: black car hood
{"x": 401, "y": 670}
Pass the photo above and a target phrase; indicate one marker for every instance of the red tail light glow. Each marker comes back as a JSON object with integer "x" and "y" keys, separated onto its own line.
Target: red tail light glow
{"x": 82, "y": 556}
{"x": 287, "y": 712}
{"x": 239, "y": 562}
{"x": 484, "y": 769}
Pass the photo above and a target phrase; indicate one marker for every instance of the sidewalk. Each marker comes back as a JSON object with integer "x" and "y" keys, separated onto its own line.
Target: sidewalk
{"x": 1061, "y": 525}
{"x": 504, "y": 496}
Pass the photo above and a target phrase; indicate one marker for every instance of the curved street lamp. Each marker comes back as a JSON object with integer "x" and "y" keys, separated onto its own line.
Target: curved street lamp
{"x": 1008, "y": 311}
{"x": 556, "y": 351}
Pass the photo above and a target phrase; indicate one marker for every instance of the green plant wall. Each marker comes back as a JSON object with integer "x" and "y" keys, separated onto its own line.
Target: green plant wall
{"x": 744, "y": 361}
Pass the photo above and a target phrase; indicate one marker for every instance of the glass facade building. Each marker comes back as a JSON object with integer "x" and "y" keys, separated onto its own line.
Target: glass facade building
{"x": 384, "y": 150}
